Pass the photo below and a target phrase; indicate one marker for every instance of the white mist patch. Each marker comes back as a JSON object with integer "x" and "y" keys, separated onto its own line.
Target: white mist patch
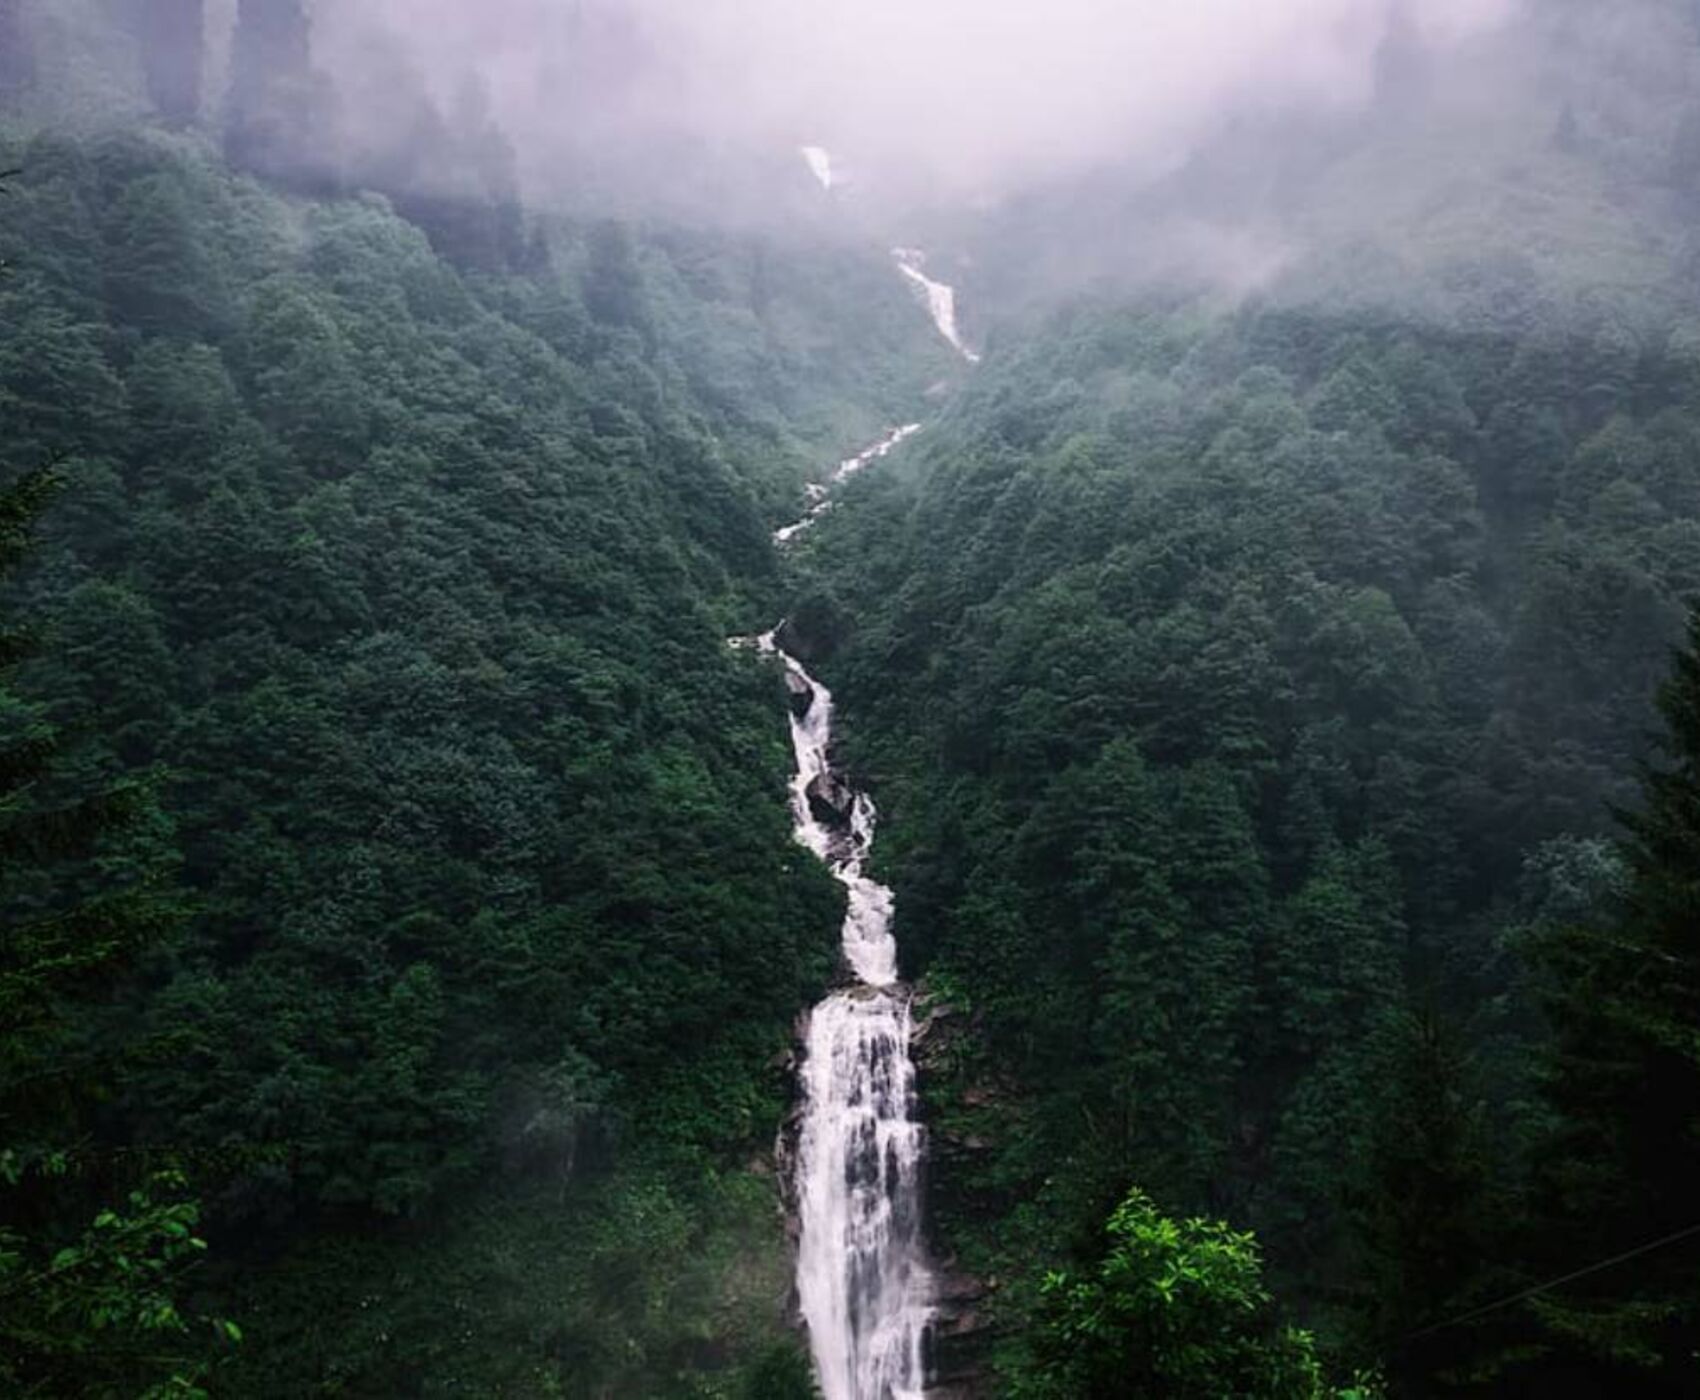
{"x": 951, "y": 99}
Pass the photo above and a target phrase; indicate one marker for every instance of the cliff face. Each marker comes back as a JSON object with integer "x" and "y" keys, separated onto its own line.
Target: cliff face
{"x": 16, "y": 63}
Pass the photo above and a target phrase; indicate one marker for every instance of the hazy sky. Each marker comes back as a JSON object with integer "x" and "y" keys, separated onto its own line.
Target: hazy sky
{"x": 961, "y": 97}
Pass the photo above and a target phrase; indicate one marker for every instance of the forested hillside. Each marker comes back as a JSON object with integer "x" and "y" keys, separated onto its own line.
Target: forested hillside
{"x": 1267, "y": 630}
{"x": 1249, "y": 696}
{"x": 403, "y": 589}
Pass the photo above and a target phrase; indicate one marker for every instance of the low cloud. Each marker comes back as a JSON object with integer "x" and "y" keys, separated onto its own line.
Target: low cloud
{"x": 954, "y": 99}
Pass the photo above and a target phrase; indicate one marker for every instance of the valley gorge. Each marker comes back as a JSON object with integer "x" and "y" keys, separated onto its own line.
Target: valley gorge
{"x": 1181, "y": 883}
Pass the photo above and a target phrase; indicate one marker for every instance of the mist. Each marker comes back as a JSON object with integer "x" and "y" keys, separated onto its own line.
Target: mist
{"x": 937, "y": 102}
{"x": 768, "y": 698}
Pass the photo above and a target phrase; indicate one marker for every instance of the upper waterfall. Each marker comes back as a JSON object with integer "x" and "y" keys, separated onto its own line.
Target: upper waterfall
{"x": 820, "y": 165}
{"x": 940, "y": 299}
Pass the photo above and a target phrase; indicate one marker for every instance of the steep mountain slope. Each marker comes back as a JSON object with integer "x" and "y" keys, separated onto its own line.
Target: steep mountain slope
{"x": 1248, "y": 656}
{"x": 412, "y": 586}
{"x": 1237, "y": 687}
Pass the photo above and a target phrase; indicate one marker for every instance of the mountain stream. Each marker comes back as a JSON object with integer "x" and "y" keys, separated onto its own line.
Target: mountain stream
{"x": 863, "y": 1284}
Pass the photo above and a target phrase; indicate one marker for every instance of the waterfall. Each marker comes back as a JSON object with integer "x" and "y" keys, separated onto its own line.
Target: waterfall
{"x": 940, "y": 299}
{"x": 819, "y": 492}
{"x": 862, "y": 1280}
{"x": 863, "y": 1284}
{"x": 819, "y": 161}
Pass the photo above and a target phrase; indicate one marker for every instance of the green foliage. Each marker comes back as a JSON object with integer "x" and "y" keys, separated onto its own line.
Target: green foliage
{"x": 85, "y": 1308}
{"x": 632, "y": 1282}
{"x": 1245, "y": 688}
{"x": 101, "y": 1315}
{"x": 1173, "y": 1309}
{"x": 1624, "y": 996}
{"x": 1232, "y": 681}
{"x": 409, "y": 589}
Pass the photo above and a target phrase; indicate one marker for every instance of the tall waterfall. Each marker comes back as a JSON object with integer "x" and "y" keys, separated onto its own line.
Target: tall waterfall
{"x": 862, "y": 1278}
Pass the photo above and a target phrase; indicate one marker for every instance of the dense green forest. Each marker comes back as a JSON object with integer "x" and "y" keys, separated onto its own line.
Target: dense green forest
{"x": 446, "y": 936}
{"x": 1249, "y": 696}
{"x": 1261, "y": 694}
{"x": 1284, "y": 706}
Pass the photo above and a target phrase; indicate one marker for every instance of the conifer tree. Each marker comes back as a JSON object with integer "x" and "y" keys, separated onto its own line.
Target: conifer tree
{"x": 1626, "y": 1077}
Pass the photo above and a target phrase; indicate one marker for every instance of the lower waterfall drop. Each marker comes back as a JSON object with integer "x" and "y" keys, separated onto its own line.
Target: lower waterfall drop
{"x": 862, "y": 1279}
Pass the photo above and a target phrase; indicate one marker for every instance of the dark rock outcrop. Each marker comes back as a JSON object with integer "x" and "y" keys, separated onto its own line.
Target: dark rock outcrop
{"x": 961, "y": 1334}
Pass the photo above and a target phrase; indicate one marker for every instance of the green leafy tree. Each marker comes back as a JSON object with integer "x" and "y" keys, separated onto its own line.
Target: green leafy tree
{"x": 161, "y": 272}
{"x": 782, "y": 1372}
{"x": 100, "y": 1314}
{"x": 1175, "y": 1310}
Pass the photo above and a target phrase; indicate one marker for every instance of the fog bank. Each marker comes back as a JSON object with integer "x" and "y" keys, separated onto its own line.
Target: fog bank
{"x": 951, "y": 99}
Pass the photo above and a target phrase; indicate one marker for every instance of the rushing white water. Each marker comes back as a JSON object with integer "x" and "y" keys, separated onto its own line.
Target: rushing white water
{"x": 941, "y": 300}
{"x": 820, "y": 165}
{"x": 862, "y": 1279}
{"x": 819, "y": 491}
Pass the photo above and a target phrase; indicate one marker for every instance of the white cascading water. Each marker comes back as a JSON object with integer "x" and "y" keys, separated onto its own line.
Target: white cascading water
{"x": 862, "y": 1279}
{"x": 820, "y": 165}
{"x": 863, "y": 1285}
{"x": 941, "y": 300}
{"x": 819, "y": 491}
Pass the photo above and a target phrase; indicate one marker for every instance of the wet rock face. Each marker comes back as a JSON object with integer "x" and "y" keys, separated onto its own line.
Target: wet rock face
{"x": 831, "y": 801}
{"x": 801, "y": 697}
{"x": 811, "y": 638}
{"x": 960, "y": 1338}
{"x": 785, "y": 1152}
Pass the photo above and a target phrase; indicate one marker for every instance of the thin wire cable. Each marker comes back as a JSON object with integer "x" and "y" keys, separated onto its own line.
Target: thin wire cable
{"x": 1555, "y": 1282}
